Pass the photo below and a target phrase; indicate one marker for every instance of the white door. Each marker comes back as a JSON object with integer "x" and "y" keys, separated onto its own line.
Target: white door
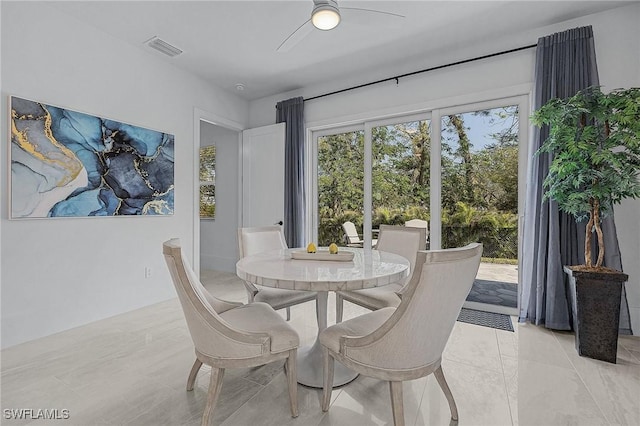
{"x": 263, "y": 175}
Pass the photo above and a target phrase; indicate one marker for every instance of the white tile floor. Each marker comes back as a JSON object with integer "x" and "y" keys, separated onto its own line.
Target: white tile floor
{"x": 131, "y": 370}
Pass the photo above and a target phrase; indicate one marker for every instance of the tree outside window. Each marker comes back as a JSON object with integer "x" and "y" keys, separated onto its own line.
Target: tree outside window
{"x": 208, "y": 182}
{"x": 479, "y": 179}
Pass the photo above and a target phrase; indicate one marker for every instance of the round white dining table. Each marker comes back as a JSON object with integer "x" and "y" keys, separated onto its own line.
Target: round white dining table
{"x": 369, "y": 268}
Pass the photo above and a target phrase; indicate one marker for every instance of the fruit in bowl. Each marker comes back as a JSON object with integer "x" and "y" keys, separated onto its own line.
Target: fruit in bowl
{"x": 333, "y": 248}
{"x": 311, "y": 248}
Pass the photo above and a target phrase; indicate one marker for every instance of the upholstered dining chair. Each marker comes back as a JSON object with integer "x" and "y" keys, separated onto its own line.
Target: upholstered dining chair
{"x": 401, "y": 240}
{"x": 265, "y": 238}
{"x": 406, "y": 343}
{"x": 419, "y": 223}
{"x": 230, "y": 335}
{"x": 352, "y": 237}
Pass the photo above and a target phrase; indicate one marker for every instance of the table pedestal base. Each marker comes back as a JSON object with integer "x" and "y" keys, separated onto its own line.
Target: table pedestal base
{"x": 310, "y": 363}
{"x": 310, "y": 368}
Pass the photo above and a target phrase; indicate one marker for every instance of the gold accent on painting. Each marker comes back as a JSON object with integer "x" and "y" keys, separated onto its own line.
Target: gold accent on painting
{"x": 158, "y": 206}
{"x": 68, "y": 161}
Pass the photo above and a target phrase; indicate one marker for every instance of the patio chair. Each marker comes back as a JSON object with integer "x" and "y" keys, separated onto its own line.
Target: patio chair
{"x": 351, "y": 236}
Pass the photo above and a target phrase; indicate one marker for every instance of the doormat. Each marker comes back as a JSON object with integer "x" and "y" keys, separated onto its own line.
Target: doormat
{"x": 486, "y": 319}
{"x": 494, "y": 293}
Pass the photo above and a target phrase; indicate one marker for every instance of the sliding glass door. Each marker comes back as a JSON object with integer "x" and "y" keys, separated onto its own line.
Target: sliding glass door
{"x": 340, "y": 183}
{"x": 479, "y": 169}
{"x": 479, "y": 202}
{"x": 458, "y": 171}
{"x": 400, "y": 178}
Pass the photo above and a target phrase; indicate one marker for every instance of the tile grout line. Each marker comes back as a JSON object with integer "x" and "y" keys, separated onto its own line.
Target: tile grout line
{"x": 632, "y": 351}
{"x": 472, "y": 365}
{"x": 424, "y": 389}
{"x": 573, "y": 366}
{"x": 245, "y": 403}
{"x": 504, "y": 380}
{"x": 276, "y": 375}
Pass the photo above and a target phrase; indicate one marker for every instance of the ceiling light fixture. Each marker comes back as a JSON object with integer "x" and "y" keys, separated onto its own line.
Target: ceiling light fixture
{"x": 325, "y": 15}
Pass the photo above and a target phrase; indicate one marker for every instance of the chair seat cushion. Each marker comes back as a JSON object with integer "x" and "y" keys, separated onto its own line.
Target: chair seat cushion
{"x": 261, "y": 318}
{"x": 279, "y": 298}
{"x": 374, "y": 298}
{"x": 355, "y": 327}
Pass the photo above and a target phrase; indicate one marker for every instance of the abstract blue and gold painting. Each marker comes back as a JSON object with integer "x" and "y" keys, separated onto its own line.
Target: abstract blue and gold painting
{"x": 70, "y": 164}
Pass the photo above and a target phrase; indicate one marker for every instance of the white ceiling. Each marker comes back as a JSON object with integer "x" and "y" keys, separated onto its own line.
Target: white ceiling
{"x": 230, "y": 42}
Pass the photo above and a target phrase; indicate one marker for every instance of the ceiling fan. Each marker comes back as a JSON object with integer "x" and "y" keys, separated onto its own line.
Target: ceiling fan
{"x": 326, "y": 15}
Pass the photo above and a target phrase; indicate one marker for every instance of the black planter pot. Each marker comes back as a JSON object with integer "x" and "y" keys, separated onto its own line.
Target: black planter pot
{"x": 595, "y": 300}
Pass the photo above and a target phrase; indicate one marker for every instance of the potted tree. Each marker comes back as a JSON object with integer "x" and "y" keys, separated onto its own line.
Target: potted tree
{"x": 595, "y": 141}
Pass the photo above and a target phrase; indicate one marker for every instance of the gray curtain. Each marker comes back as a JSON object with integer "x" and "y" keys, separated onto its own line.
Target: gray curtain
{"x": 565, "y": 64}
{"x": 291, "y": 112}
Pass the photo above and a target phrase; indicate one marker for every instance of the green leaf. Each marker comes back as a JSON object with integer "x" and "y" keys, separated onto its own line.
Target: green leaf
{"x": 589, "y": 160}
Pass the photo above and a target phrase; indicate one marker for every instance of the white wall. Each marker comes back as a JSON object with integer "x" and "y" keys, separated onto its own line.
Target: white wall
{"x": 218, "y": 237}
{"x": 617, "y": 39}
{"x": 60, "y": 273}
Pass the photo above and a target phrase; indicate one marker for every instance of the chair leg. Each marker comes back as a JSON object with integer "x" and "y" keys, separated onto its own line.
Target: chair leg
{"x": 215, "y": 384}
{"x": 339, "y": 308}
{"x": 192, "y": 375}
{"x": 292, "y": 380}
{"x": 327, "y": 385}
{"x": 288, "y": 313}
{"x": 447, "y": 392}
{"x": 396, "y": 403}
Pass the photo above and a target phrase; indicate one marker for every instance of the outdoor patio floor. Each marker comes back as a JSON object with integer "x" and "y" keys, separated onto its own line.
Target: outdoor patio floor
{"x": 496, "y": 284}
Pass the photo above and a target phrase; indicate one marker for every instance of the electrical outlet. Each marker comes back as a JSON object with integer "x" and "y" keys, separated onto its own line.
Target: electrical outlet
{"x": 147, "y": 272}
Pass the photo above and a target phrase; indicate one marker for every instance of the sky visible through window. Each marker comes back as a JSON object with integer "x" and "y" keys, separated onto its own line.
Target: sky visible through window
{"x": 480, "y": 128}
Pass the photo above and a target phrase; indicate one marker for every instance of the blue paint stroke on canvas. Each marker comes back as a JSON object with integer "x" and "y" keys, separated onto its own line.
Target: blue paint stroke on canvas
{"x": 69, "y": 164}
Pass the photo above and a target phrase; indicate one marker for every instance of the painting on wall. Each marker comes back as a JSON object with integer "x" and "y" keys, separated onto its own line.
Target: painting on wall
{"x": 70, "y": 164}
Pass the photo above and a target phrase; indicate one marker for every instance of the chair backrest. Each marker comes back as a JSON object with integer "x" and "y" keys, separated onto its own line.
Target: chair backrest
{"x": 260, "y": 239}
{"x": 418, "y": 223}
{"x": 211, "y": 335}
{"x": 415, "y": 335}
{"x": 351, "y": 233}
{"x": 403, "y": 241}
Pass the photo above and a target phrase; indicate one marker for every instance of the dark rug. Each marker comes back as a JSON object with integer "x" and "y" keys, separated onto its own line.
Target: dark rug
{"x": 486, "y": 319}
{"x": 494, "y": 293}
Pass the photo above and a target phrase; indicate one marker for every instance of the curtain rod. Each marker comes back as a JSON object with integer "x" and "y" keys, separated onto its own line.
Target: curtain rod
{"x": 396, "y": 78}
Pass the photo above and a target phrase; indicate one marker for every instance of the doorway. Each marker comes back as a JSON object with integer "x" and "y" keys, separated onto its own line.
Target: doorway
{"x": 479, "y": 184}
{"x": 218, "y": 197}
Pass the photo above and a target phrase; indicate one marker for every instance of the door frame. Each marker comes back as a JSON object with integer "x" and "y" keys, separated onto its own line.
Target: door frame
{"x": 211, "y": 118}
{"x": 523, "y": 142}
{"x": 523, "y": 148}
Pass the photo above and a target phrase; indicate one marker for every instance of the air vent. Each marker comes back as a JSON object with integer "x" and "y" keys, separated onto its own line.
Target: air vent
{"x": 164, "y": 47}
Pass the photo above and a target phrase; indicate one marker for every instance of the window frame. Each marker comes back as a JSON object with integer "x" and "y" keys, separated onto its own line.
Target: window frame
{"x": 434, "y": 115}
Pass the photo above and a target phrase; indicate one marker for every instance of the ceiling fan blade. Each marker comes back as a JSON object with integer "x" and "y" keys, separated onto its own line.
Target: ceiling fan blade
{"x": 397, "y": 15}
{"x": 372, "y": 18}
{"x": 296, "y": 37}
